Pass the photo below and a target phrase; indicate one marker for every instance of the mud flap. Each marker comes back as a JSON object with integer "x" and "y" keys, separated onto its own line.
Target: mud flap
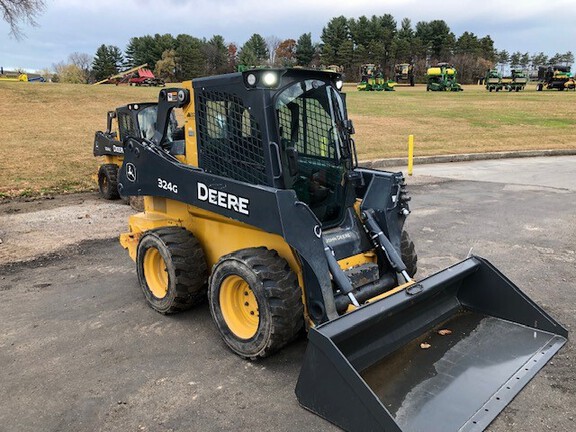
{"x": 367, "y": 370}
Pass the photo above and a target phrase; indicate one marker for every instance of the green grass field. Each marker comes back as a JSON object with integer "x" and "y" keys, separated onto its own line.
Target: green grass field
{"x": 48, "y": 129}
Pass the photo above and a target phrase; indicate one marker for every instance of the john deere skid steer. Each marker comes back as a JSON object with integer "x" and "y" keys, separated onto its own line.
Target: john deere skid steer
{"x": 263, "y": 210}
{"x": 135, "y": 119}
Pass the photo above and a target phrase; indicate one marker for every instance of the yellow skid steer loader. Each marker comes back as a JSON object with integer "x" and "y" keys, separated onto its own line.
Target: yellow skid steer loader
{"x": 263, "y": 210}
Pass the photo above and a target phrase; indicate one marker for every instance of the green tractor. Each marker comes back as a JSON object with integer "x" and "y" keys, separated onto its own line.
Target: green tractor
{"x": 373, "y": 79}
{"x": 517, "y": 81}
{"x": 442, "y": 77}
{"x": 494, "y": 81}
{"x": 404, "y": 72}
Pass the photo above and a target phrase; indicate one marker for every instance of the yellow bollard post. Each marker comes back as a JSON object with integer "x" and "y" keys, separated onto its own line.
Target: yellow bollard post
{"x": 410, "y": 154}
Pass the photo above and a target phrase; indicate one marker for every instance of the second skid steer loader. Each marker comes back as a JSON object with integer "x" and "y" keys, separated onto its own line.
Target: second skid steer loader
{"x": 264, "y": 211}
{"x": 136, "y": 120}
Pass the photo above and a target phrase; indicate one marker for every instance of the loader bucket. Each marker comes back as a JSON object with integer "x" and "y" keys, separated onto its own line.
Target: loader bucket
{"x": 367, "y": 370}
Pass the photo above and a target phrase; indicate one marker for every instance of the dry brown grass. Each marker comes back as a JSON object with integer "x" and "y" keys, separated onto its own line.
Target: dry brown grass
{"x": 48, "y": 129}
{"x": 48, "y": 133}
{"x": 473, "y": 121}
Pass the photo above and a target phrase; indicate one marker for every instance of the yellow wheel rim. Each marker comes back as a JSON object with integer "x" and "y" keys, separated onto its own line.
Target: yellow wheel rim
{"x": 239, "y": 307}
{"x": 155, "y": 273}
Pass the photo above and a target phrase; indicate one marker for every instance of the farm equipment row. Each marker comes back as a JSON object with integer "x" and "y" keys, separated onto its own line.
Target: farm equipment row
{"x": 259, "y": 206}
{"x": 515, "y": 82}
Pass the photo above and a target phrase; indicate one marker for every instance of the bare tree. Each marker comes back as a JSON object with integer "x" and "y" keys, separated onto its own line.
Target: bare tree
{"x": 15, "y": 12}
{"x": 81, "y": 60}
{"x": 272, "y": 43}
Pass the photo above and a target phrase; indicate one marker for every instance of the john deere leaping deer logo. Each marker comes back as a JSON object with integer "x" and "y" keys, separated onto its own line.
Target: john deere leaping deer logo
{"x": 131, "y": 172}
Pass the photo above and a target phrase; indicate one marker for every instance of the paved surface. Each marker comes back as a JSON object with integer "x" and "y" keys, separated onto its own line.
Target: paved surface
{"x": 532, "y": 173}
{"x": 81, "y": 351}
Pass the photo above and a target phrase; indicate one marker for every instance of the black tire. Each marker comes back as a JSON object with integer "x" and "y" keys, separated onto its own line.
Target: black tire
{"x": 108, "y": 181}
{"x": 539, "y": 87}
{"x": 255, "y": 302}
{"x": 409, "y": 256}
{"x": 171, "y": 268}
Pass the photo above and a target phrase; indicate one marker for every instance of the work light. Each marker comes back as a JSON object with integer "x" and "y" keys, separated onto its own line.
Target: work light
{"x": 270, "y": 79}
{"x": 251, "y": 79}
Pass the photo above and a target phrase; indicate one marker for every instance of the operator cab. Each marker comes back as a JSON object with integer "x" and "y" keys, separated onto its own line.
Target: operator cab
{"x": 314, "y": 145}
{"x": 285, "y": 128}
{"x": 139, "y": 120}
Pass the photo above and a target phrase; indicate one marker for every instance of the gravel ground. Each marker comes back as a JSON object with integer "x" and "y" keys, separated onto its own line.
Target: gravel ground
{"x": 81, "y": 351}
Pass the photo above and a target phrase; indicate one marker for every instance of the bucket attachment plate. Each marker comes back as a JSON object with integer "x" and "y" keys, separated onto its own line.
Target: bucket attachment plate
{"x": 386, "y": 367}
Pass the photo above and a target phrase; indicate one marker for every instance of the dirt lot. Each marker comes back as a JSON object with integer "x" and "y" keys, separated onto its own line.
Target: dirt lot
{"x": 36, "y": 227}
{"x": 81, "y": 351}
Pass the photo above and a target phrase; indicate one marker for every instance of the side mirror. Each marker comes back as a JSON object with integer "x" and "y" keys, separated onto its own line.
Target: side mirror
{"x": 292, "y": 158}
{"x": 349, "y": 126}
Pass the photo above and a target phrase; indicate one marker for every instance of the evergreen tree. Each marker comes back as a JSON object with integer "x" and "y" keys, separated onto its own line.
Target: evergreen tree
{"x": 467, "y": 43}
{"x": 487, "y": 50}
{"x": 304, "y": 50}
{"x": 404, "y": 47}
{"x": 139, "y": 51}
{"x": 148, "y": 49}
{"x": 406, "y": 31}
{"x": 107, "y": 61}
{"x": 502, "y": 58}
{"x": 525, "y": 61}
{"x": 438, "y": 41}
{"x": 515, "y": 59}
{"x": 216, "y": 53}
{"x": 334, "y": 37}
{"x": 190, "y": 58}
{"x": 254, "y": 52}
{"x": 360, "y": 31}
{"x": 248, "y": 58}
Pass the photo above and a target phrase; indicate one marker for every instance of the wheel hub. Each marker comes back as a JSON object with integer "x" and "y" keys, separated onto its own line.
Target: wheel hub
{"x": 239, "y": 307}
{"x": 155, "y": 273}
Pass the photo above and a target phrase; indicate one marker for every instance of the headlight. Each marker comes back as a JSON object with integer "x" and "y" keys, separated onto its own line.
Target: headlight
{"x": 339, "y": 84}
{"x": 270, "y": 79}
{"x": 251, "y": 79}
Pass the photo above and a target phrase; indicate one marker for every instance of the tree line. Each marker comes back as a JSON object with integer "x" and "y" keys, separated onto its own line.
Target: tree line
{"x": 345, "y": 42}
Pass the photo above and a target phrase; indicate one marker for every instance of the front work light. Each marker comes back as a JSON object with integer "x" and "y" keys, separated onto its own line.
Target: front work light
{"x": 339, "y": 84}
{"x": 270, "y": 79}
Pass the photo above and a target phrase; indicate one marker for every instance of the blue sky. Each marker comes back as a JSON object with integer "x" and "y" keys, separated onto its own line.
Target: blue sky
{"x": 76, "y": 25}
